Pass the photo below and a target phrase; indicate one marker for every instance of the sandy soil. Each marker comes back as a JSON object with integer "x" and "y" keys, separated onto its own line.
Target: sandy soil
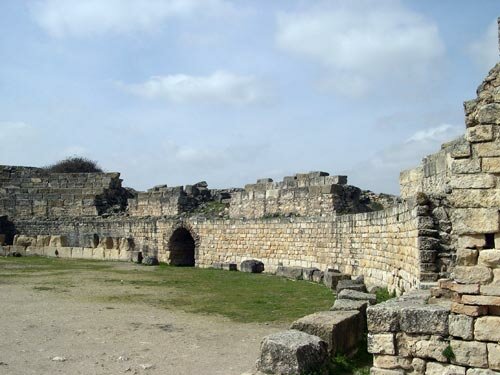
{"x": 49, "y": 332}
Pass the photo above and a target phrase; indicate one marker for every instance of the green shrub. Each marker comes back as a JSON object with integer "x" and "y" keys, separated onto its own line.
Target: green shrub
{"x": 448, "y": 353}
{"x": 384, "y": 295}
{"x": 74, "y": 164}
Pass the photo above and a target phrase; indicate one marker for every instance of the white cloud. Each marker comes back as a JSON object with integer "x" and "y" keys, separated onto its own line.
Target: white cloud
{"x": 221, "y": 86}
{"x": 62, "y": 18}
{"x": 391, "y": 161}
{"x": 363, "y": 45}
{"x": 484, "y": 51}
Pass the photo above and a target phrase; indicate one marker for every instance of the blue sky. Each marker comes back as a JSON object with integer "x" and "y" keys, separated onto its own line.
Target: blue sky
{"x": 178, "y": 91}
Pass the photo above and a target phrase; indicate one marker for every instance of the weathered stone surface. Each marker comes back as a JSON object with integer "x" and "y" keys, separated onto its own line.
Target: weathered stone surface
{"x": 229, "y": 267}
{"x": 481, "y": 300}
{"x": 349, "y": 305}
{"x": 487, "y": 328}
{"x": 392, "y": 362}
{"x": 383, "y": 317}
{"x": 252, "y": 266}
{"x": 475, "y": 198}
{"x": 431, "y": 319}
{"x": 489, "y": 258}
{"x": 57, "y": 241}
{"x": 357, "y": 296}
{"x": 494, "y": 356}
{"x": 465, "y": 166}
{"x": 422, "y": 346}
{"x": 467, "y": 257}
{"x": 381, "y": 343}
{"x": 489, "y": 114}
{"x": 487, "y": 149}
{"x": 459, "y": 308}
{"x": 332, "y": 277}
{"x": 22, "y": 240}
{"x": 475, "y": 220}
{"x": 480, "y": 371}
{"x": 480, "y": 133}
{"x": 350, "y": 284}
{"x": 492, "y": 289}
{"x": 307, "y": 273}
{"x": 461, "y": 326}
{"x": 491, "y": 165}
{"x": 149, "y": 260}
{"x": 341, "y": 330}
{"x": 460, "y": 288}
{"x": 292, "y": 352}
{"x": 472, "y": 274}
{"x": 478, "y": 181}
{"x": 434, "y": 368}
{"x": 294, "y": 273}
{"x": 469, "y": 353}
{"x": 418, "y": 365}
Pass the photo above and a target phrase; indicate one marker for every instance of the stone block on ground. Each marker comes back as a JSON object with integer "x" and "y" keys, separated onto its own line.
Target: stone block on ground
{"x": 431, "y": 319}
{"x": 229, "y": 267}
{"x": 150, "y": 260}
{"x": 332, "y": 277}
{"x": 252, "y": 266}
{"x": 58, "y": 241}
{"x": 357, "y": 296}
{"x": 292, "y": 352}
{"x": 318, "y": 276}
{"x": 341, "y": 330}
{"x": 349, "y": 305}
{"x": 307, "y": 273}
{"x": 294, "y": 273}
{"x": 350, "y": 284}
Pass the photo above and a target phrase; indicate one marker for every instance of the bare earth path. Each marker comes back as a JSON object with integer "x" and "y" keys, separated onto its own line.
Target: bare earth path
{"x": 114, "y": 338}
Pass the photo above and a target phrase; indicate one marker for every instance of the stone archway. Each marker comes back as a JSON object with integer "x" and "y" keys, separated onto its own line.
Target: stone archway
{"x": 181, "y": 246}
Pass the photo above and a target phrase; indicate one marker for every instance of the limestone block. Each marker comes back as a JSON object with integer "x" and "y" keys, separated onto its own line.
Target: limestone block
{"x": 292, "y": 352}
{"x": 481, "y": 300}
{"x": 341, "y": 330}
{"x": 421, "y": 346}
{"x": 432, "y": 319}
{"x": 491, "y": 165}
{"x": 434, "y": 368}
{"x": 489, "y": 258}
{"x": 480, "y": 133}
{"x": 459, "y": 288}
{"x": 487, "y": 149}
{"x": 381, "y": 343}
{"x": 480, "y": 371}
{"x": 469, "y": 353}
{"x": 466, "y": 166}
{"x": 126, "y": 244}
{"x": 349, "y": 305}
{"x": 487, "y": 328}
{"x": 472, "y": 274}
{"x": 461, "y": 326}
{"x": 467, "y": 257}
{"x": 318, "y": 276}
{"x": 477, "y": 181}
{"x": 419, "y": 366}
{"x": 460, "y": 150}
{"x": 471, "y": 241}
{"x": 112, "y": 254}
{"x": 381, "y": 371}
{"x": 106, "y": 243}
{"x": 22, "y": 240}
{"x": 357, "y": 296}
{"x": 294, "y": 273}
{"x": 475, "y": 220}
{"x": 42, "y": 240}
{"x": 392, "y": 362}
{"x": 98, "y": 253}
{"x": 57, "y": 241}
{"x": 475, "y": 198}
{"x": 87, "y": 253}
{"x": 459, "y": 308}
{"x": 490, "y": 289}
{"x": 307, "y": 273}
{"x": 489, "y": 114}
{"x": 64, "y": 252}
{"x": 494, "y": 356}
{"x": 77, "y": 252}
{"x": 383, "y": 317}
{"x": 331, "y": 278}
{"x": 351, "y": 285}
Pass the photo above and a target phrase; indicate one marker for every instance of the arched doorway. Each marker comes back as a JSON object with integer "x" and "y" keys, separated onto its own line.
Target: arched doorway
{"x": 181, "y": 247}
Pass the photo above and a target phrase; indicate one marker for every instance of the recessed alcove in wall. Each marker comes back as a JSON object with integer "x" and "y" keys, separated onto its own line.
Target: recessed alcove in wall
{"x": 181, "y": 246}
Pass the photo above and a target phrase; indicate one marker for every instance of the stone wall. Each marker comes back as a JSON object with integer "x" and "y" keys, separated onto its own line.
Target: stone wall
{"x": 304, "y": 194}
{"x": 32, "y": 192}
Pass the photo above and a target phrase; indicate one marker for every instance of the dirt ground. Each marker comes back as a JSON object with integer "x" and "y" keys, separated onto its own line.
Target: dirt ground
{"x": 57, "y": 332}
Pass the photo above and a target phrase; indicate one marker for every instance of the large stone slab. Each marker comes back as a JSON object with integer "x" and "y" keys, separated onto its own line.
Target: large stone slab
{"x": 350, "y": 284}
{"x": 252, "y": 266}
{"x": 332, "y": 277}
{"x": 292, "y": 352}
{"x": 434, "y": 368}
{"x": 294, "y": 273}
{"x": 357, "y": 296}
{"x": 341, "y": 330}
{"x": 469, "y": 353}
{"x": 431, "y": 319}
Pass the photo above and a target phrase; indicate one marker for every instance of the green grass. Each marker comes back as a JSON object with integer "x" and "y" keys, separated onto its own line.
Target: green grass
{"x": 384, "y": 295}
{"x": 242, "y": 297}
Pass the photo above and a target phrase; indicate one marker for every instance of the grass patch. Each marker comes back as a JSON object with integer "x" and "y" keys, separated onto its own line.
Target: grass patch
{"x": 359, "y": 364}
{"x": 384, "y": 295}
{"x": 242, "y": 297}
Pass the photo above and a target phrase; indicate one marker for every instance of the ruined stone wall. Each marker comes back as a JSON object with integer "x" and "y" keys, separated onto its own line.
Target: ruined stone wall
{"x": 32, "y": 192}
{"x": 305, "y": 194}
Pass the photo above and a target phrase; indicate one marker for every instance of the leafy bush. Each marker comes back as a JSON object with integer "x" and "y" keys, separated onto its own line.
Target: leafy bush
{"x": 384, "y": 295}
{"x": 448, "y": 353}
{"x": 74, "y": 164}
